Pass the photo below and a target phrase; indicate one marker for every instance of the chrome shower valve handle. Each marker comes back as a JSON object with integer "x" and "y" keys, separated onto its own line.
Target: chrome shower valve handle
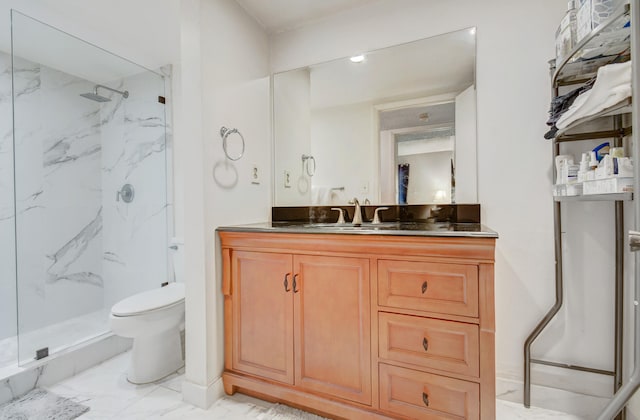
{"x": 127, "y": 193}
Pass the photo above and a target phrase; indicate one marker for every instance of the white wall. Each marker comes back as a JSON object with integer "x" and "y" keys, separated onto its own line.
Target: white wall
{"x": 224, "y": 82}
{"x": 291, "y": 115}
{"x": 345, "y": 154}
{"x": 428, "y": 174}
{"x": 514, "y": 165}
{"x": 466, "y": 162}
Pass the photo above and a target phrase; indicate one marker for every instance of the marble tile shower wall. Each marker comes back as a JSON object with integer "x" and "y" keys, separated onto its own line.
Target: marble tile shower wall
{"x": 134, "y": 152}
{"x": 79, "y": 249}
{"x": 58, "y": 198}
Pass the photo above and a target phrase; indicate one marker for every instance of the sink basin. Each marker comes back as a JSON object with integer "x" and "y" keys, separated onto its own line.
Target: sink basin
{"x": 364, "y": 226}
{"x": 404, "y": 228}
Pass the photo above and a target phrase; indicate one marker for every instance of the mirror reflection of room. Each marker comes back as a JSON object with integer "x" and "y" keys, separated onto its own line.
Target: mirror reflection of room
{"x": 360, "y": 119}
{"x": 417, "y": 154}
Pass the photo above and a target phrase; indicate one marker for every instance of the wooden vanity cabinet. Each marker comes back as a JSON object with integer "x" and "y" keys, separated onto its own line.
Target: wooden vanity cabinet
{"x": 318, "y": 305}
{"x": 361, "y": 326}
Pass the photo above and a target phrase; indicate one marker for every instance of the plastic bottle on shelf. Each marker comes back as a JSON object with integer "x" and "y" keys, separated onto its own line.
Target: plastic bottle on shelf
{"x": 566, "y": 35}
{"x": 592, "y": 13}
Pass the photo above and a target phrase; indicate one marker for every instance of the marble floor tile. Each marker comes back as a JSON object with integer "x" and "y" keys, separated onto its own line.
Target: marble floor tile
{"x": 507, "y": 410}
{"x": 586, "y": 407}
{"x": 105, "y": 390}
{"x": 173, "y": 381}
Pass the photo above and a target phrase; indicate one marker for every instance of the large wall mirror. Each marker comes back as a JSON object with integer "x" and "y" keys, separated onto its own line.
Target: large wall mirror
{"x": 393, "y": 126}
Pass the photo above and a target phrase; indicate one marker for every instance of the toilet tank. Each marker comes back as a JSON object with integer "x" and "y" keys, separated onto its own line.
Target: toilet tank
{"x": 176, "y": 248}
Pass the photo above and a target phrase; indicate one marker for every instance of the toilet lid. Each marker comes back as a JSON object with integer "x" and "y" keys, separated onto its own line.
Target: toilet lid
{"x": 150, "y": 300}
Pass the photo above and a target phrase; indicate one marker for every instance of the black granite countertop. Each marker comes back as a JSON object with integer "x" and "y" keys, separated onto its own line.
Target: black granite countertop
{"x": 456, "y": 220}
{"x": 385, "y": 228}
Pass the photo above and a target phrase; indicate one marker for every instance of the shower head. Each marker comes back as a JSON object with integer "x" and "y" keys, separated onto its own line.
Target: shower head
{"x": 94, "y": 96}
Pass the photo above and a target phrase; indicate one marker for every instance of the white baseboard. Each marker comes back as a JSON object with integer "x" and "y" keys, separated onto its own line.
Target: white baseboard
{"x": 202, "y": 396}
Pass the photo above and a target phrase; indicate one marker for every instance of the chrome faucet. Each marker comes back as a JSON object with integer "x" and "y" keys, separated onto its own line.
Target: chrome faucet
{"x": 357, "y": 213}
{"x": 376, "y": 216}
{"x": 341, "y": 217}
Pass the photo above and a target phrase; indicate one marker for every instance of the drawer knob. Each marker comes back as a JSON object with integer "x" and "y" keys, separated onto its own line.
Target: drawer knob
{"x": 424, "y": 287}
{"x": 425, "y": 344}
{"x": 295, "y": 284}
{"x": 286, "y": 282}
{"x": 425, "y": 399}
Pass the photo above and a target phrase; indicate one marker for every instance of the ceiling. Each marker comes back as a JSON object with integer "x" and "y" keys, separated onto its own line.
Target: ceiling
{"x": 441, "y": 114}
{"x": 443, "y": 64}
{"x": 283, "y": 15}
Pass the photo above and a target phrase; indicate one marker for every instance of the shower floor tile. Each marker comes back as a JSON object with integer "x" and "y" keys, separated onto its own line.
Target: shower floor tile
{"x": 55, "y": 337}
{"x": 105, "y": 390}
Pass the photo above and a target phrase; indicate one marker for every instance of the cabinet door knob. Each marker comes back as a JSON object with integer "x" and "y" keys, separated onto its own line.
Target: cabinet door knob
{"x": 425, "y": 399}
{"x": 295, "y": 284}
{"x": 425, "y": 344}
{"x": 424, "y": 287}
{"x": 286, "y": 282}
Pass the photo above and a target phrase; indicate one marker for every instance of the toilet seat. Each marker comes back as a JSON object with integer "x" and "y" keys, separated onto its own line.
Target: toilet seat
{"x": 150, "y": 301}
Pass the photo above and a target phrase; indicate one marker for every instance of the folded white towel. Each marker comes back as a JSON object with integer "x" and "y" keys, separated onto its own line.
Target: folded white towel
{"x": 612, "y": 85}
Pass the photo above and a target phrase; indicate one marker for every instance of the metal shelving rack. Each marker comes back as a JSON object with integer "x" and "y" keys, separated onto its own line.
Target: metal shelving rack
{"x": 578, "y": 68}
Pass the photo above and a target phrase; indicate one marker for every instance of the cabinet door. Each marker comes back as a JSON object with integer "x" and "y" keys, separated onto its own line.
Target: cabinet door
{"x": 262, "y": 314}
{"x": 332, "y": 325}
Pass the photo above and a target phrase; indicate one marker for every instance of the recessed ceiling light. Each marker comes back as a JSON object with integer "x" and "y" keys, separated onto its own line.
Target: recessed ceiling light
{"x": 357, "y": 59}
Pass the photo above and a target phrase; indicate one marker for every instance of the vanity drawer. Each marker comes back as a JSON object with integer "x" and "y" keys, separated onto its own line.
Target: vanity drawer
{"x": 432, "y": 343}
{"x": 432, "y": 287}
{"x": 420, "y": 395}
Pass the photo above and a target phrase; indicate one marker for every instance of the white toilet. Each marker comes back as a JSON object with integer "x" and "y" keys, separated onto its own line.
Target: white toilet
{"x": 154, "y": 320}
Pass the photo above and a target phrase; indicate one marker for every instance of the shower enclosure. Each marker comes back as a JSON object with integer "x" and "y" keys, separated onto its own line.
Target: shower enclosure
{"x": 84, "y": 209}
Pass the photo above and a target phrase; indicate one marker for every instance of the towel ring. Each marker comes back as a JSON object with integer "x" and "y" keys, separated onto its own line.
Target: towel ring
{"x": 305, "y": 164}
{"x": 225, "y": 133}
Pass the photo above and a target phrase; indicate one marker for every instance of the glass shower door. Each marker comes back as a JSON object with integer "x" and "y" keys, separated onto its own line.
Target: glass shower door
{"x": 8, "y": 322}
{"x": 90, "y": 184}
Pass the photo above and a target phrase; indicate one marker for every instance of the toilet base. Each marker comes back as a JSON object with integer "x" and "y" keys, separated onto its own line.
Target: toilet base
{"x": 155, "y": 356}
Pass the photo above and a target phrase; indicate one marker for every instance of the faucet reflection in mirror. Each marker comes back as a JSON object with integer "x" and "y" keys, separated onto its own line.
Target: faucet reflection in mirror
{"x": 411, "y": 103}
